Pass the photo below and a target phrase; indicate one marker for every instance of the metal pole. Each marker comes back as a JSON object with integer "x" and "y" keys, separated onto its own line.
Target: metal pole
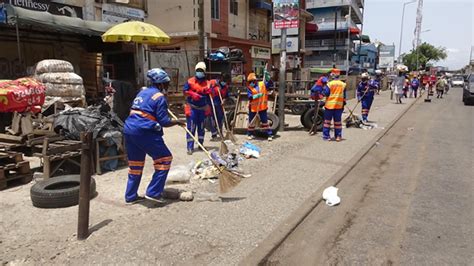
{"x": 201, "y": 29}
{"x": 401, "y": 31}
{"x": 84, "y": 188}
{"x": 348, "y": 38}
{"x": 282, "y": 81}
{"x": 360, "y": 35}
{"x": 20, "y": 59}
{"x": 335, "y": 38}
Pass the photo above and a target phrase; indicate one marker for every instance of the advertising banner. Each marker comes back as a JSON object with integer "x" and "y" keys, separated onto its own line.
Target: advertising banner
{"x": 286, "y": 14}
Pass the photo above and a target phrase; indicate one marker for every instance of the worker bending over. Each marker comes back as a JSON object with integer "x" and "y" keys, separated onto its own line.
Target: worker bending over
{"x": 143, "y": 133}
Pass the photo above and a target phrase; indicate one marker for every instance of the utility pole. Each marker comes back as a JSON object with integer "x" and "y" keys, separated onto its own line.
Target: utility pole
{"x": 201, "y": 29}
{"x": 335, "y": 38}
{"x": 349, "y": 20}
{"x": 282, "y": 81}
{"x": 401, "y": 31}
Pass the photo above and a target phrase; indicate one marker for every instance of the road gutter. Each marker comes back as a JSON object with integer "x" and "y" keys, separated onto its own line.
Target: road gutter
{"x": 265, "y": 249}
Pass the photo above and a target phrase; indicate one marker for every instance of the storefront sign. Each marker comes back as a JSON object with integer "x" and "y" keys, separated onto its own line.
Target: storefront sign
{"x": 291, "y": 45}
{"x": 117, "y": 14}
{"x": 286, "y": 13}
{"x": 277, "y": 32}
{"x": 386, "y": 56}
{"x": 47, "y": 6}
{"x": 260, "y": 52}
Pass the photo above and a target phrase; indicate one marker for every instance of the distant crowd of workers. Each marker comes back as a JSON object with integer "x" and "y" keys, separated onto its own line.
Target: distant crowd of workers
{"x": 149, "y": 114}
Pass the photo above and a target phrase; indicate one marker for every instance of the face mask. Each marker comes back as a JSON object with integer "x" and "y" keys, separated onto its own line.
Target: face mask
{"x": 200, "y": 75}
{"x": 223, "y": 83}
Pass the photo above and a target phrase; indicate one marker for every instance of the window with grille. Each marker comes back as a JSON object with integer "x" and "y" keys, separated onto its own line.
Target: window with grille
{"x": 215, "y": 9}
{"x": 234, "y": 7}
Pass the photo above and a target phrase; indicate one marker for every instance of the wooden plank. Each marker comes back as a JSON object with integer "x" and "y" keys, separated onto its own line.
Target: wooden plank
{"x": 10, "y": 138}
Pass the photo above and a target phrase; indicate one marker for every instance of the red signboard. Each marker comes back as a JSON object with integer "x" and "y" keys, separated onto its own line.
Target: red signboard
{"x": 21, "y": 95}
{"x": 286, "y": 13}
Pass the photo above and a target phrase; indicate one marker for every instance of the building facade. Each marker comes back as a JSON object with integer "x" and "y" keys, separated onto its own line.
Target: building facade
{"x": 338, "y": 26}
{"x": 241, "y": 24}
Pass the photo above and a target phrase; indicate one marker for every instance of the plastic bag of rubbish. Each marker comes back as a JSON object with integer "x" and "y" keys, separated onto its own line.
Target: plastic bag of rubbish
{"x": 180, "y": 173}
{"x": 218, "y": 159}
{"x": 331, "y": 197}
{"x": 250, "y": 150}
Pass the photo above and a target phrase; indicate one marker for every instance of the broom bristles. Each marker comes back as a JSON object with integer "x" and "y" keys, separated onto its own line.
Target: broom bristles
{"x": 223, "y": 149}
{"x": 231, "y": 137}
{"x": 228, "y": 180}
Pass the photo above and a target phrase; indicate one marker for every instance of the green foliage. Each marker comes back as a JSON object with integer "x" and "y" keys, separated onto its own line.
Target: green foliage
{"x": 427, "y": 54}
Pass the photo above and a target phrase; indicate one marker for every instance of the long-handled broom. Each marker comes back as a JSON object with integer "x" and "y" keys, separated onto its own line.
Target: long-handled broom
{"x": 352, "y": 119}
{"x": 223, "y": 149}
{"x": 228, "y": 135}
{"x": 227, "y": 179}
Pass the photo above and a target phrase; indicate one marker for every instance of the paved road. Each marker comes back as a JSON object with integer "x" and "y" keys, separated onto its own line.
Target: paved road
{"x": 409, "y": 201}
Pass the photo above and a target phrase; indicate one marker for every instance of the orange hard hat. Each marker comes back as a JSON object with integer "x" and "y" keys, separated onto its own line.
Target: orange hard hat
{"x": 251, "y": 77}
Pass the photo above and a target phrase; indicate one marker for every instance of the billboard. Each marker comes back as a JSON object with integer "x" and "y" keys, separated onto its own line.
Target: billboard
{"x": 291, "y": 45}
{"x": 386, "y": 56}
{"x": 286, "y": 14}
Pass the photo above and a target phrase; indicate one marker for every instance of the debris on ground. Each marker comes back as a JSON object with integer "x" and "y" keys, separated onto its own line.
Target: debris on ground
{"x": 207, "y": 196}
{"x": 250, "y": 150}
{"x": 186, "y": 196}
{"x": 330, "y": 196}
{"x": 410, "y": 128}
{"x": 180, "y": 173}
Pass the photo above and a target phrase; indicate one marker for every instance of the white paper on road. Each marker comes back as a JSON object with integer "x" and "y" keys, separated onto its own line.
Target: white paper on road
{"x": 331, "y": 197}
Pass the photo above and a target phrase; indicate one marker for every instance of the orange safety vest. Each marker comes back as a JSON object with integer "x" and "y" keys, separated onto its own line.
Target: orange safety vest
{"x": 335, "y": 100}
{"x": 197, "y": 86}
{"x": 259, "y": 104}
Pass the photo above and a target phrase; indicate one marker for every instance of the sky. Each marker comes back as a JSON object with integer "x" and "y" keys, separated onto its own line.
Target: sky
{"x": 450, "y": 24}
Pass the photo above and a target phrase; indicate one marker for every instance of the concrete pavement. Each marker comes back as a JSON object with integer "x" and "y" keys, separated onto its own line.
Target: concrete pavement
{"x": 408, "y": 202}
{"x": 290, "y": 170}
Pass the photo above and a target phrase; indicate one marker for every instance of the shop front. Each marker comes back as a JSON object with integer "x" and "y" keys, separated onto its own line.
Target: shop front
{"x": 260, "y": 57}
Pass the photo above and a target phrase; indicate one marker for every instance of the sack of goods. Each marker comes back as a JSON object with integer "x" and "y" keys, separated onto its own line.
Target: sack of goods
{"x": 62, "y": 84}
{"x": 21, "y": 95}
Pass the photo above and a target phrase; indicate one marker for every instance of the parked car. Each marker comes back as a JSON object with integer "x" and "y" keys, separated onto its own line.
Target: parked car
{"x": 468, "y": 92}
{"x": 457, "y": 81}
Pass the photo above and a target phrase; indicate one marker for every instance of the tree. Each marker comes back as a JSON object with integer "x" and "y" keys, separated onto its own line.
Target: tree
{"x": 427, "y": 54}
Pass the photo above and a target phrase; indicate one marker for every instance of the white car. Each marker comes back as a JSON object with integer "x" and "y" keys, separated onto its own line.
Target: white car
{"x": 457, "y": 81}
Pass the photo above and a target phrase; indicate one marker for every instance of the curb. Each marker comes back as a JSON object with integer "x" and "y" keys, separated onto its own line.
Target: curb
{"x": 265, "y": 249}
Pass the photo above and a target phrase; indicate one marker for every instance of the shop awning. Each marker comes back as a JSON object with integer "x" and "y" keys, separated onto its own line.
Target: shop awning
{"x": 318, "y": 70}
{"x": 55, "y": 22}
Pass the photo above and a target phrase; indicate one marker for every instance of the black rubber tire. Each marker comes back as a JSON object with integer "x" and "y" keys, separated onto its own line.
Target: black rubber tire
{"x": 299, "y": 109}
{"x": 303, "y": 122}
{"x": 58, "y": 192}
{"x": 308, "y": 119}
{"x": 274, "y": 122}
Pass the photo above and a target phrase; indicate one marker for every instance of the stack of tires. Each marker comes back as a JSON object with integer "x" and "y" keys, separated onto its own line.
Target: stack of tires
{"x": 62, "y": 84}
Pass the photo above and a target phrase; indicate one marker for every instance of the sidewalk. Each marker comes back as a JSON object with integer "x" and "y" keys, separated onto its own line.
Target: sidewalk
{"x": 291, "y": 168}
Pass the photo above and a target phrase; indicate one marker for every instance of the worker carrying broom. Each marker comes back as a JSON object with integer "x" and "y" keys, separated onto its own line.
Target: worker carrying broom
{"x": 366, "y": 90}
{"x": 197, "y": 105}
{"x": 219, "y": 90}
{"x": 258, "y": 104}
{"x": 143, "y": 133}
{"x": 335, "y": 101}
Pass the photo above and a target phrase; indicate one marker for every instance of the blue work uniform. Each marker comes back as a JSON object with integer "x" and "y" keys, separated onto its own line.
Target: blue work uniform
{"x": 215, "y": 86}
{"x": 196, "y": 109}
{"x": 143, "y": 133}
{"x": 365, "y": 94}
{"x": 415, "y": 84}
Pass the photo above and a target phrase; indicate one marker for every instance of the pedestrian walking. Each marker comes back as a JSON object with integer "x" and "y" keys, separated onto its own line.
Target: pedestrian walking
{"x": 335, "y": 92}
{"x": 143, "y": 132}
{"x": 258, "y": 104}
{"x": 415, "y": 85}
{"x": 377, "y": 81}
{"x": 440, "y": 87}
{"x": 399, "y": 83}
{"x": 218, "y": 86}
{"x": 197, "y": 106}
{"x": 366, "y": 90}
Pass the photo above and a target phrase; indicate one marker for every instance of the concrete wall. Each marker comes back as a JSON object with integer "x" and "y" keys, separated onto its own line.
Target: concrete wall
{"x": 238, "y": 24}
{"x": 178, "y": 15}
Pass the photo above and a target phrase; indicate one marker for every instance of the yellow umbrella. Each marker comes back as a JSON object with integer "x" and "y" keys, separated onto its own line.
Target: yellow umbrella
{"x": 136, "y": 31}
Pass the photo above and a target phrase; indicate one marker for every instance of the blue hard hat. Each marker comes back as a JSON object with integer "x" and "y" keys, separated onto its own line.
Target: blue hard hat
{"x": 324, "y": 80}
{"x": 158, "y": 75}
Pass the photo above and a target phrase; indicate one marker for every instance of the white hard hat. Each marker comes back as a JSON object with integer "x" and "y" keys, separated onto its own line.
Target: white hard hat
{"x": 378, "y": 72}
{"x": 402, "y": 68}
{"x": 364, "y": 75}
{"x": 200, "y": 65}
